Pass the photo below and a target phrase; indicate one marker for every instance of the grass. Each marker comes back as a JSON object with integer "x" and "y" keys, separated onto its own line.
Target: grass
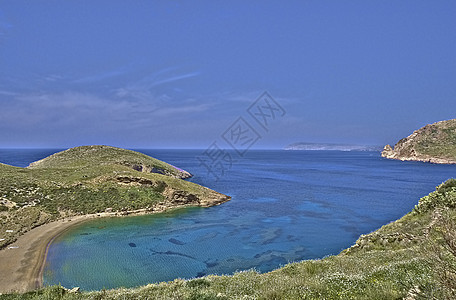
{"x": 439, "y": 140}
{"x": 86, "y": 180}
{"x": 413, "y": 257}
{"x": 85, "y": 157}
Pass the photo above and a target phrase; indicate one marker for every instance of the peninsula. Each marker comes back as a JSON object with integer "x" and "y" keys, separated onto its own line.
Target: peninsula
{"x": 40, "y": 201}
{"x": 434, "y": 143}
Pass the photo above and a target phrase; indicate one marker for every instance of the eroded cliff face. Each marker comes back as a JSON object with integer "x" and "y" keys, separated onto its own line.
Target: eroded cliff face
{"x": 435, "y": 143}
{"x": 179, "y": 198}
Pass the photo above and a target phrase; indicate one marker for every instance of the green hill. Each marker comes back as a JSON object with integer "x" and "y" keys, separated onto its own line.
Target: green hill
{"x": 87, "y": 157}
{"x": 92, "y": 179}
{"x": 434, "y": 143}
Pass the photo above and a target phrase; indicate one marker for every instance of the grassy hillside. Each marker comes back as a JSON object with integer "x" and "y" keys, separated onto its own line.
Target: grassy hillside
{"x": 86, "y": 157}
{"x": 411, "y": 258}
{"x": 439, "y": 140}
{"x": 91, "y": 179}
{"x": 434, "y": 143}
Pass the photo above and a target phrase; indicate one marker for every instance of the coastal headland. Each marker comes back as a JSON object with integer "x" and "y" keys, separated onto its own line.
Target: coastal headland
{"x": 434, "y": 143}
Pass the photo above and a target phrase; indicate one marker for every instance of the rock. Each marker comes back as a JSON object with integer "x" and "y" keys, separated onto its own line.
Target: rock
{"x": 387, "y": 151}
{"x": 413, "y": 293}
{"x": 108, "y": 210}
{"x": 74, "y": 290}
{"x": 178, "y": 197}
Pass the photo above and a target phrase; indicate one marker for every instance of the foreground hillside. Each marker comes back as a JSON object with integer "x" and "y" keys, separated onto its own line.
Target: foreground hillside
{"x": 91, "y": 180}
{"x": 411, "y": 258}
{"x": 434, "y": 143}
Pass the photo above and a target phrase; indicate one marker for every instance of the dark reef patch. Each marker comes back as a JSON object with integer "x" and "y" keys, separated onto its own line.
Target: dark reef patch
{"x": 172, "y": 253}
{"x": 176, "y": 242}
{"x": 268, "y": 252}
{"x": 292, "y": 238}
{"x": 211, "y": 264}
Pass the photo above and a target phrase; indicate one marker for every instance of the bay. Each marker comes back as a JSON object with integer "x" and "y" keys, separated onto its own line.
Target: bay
{"x": 286, "y": 206}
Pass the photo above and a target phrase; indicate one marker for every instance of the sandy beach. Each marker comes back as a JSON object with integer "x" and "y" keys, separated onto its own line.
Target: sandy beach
{"x": 22, "y": 262}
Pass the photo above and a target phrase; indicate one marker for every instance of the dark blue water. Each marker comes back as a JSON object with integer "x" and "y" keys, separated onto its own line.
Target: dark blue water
{"x": 23, "y": 157}
{"x": 286, "y": 206}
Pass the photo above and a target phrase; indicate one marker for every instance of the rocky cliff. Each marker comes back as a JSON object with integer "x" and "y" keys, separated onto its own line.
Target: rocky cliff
{"x": 435, "y": 143}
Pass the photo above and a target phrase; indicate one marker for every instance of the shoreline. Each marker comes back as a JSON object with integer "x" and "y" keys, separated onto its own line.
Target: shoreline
{"x": 38, "y": 270}
{"x": 432, "y": 160}
{"x": 23, "y": 261}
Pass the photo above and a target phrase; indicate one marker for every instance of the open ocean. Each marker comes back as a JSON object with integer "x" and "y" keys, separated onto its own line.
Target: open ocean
{"x": 286, "y": 206}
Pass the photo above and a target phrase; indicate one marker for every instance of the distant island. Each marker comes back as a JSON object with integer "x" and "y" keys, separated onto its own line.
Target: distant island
{"x": 435, "y": 143}
{"x": 331, "y": 147}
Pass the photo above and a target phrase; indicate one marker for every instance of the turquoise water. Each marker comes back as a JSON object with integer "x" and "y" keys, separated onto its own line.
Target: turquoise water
{"x": 286, "y": 206}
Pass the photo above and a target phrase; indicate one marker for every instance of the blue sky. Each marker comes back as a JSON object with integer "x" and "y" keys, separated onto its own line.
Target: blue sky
{"x": 177, "y": 74}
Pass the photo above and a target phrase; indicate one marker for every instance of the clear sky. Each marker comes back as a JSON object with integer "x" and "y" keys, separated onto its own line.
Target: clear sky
{"x": 167, "y": 74}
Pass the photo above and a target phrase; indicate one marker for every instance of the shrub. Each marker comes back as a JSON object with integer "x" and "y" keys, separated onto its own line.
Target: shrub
{"x": 197, "y": 283}
{"x": 447, "y": 186}
{"x": 444, "y": 196}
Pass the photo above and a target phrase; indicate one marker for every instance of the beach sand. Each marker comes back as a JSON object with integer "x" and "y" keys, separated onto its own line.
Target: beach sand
{"x": 22, "y": 262}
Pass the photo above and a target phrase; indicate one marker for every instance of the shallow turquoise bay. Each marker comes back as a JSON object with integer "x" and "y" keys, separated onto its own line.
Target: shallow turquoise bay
{"x": 286, "y": 206}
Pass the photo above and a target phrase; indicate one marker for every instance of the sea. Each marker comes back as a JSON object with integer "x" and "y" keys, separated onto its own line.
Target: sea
{"x": 286, "y": 206}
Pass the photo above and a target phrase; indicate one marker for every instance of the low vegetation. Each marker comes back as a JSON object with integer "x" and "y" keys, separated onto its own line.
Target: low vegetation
{"x": 411, "y": 258}
{"x": 439, "y": 140}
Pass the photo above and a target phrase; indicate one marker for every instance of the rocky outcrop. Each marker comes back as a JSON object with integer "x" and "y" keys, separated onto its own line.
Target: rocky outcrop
{"x": 175, "y": 197}
{"x": 179, "y": 198}
{"x": 177, "y": 173}
{"x": 434, "y": 143}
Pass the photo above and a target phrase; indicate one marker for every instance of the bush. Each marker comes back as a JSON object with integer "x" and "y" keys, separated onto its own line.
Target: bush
{"x": 447, "y": 186}
{"x": 444, "y": 196}
{"x": 197, "y": 283}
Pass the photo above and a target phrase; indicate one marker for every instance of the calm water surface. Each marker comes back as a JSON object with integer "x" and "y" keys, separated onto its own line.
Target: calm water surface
{"x": 286, "y": 206}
